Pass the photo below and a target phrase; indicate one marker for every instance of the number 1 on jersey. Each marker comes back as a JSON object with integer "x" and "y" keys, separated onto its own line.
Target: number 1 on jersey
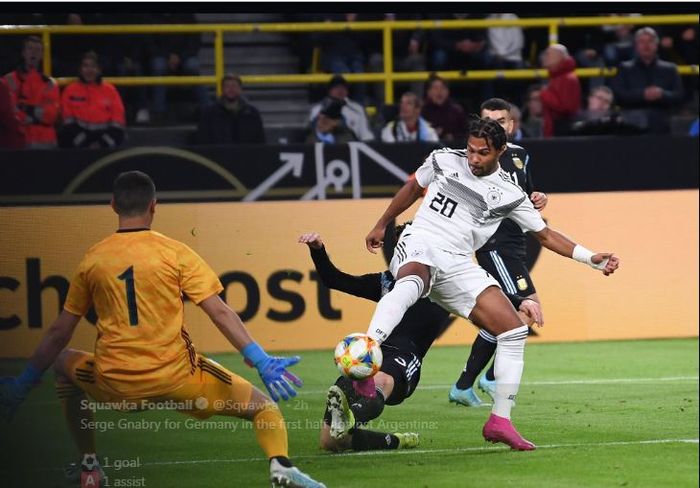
{"x": 128, "y": 277}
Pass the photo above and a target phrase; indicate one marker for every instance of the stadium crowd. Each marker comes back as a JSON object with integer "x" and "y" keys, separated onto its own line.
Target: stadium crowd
{"x": 91, "y": 113}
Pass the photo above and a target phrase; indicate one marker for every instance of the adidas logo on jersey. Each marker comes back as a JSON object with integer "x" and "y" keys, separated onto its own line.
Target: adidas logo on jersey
{"x": 454, "y": 175}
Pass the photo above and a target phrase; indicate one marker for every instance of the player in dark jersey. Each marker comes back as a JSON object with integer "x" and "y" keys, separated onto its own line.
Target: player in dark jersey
{"x": 403, "y": 353}
{"x": 503, "y": 256}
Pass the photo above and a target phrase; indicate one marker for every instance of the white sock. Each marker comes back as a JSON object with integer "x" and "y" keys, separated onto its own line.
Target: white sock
{"x": 510, "y": 350}
{"x": 393, "y": 306}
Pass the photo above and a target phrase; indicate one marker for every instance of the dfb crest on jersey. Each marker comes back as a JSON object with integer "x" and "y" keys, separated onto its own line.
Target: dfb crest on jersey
{"x": 493, "y": 196}
{"x": 518, "y": 163}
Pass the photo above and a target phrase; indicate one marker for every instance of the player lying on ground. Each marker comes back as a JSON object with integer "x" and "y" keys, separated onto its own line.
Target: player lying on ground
{"x": 468, "y": 196}
{"x": 502, "y": 256}
{"x": 403, "y": 353}
{"x": 135, "y": 279}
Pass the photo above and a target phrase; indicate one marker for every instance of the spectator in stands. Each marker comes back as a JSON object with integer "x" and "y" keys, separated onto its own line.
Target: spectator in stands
{"x": 232, "y": 119}
{"x": 599, "y": 118}
{"x": 35, "y": 96}
{"x": 647, "y": 85}
{"x": 174, "y": 54}
{"x": 92, "y": 110}
{"x": 328, "y": 126}
{"x": 409, "y": 126}
{"x": 119, "y": 54}
{"x": 11, "y": 131}
{"x": 445, "y": 115}
{"x": 561, "y": 98}
{"x": 532, "y": 121}
{"x": 354, "y": 115}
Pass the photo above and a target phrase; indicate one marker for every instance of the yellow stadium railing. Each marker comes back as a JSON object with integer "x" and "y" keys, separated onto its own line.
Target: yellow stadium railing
{"x": 388, "y": 76}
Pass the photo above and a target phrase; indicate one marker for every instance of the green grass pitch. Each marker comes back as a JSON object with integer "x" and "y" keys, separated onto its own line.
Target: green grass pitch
{"x": 604, "y": 414}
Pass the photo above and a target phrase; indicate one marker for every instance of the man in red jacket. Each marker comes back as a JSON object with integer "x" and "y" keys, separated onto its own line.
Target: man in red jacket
{"x": 11, "y": 131}
{"x": 561, "y": 98}
{"x": 35, "y": 96}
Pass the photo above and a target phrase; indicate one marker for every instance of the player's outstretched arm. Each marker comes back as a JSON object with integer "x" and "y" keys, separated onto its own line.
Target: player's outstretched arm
{"x": 404, "y": 198}
{"x": 272, "y": 370}
{"x": 14, "y": 390}
{"x": 560, "y": 244}
{"x": 364, "y": 286}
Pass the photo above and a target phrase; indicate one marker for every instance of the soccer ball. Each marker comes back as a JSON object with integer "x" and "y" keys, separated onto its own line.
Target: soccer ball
{"x": 358, "y": 356}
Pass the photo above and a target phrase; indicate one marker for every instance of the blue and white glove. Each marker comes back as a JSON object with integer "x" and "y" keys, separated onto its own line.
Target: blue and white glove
{"x": 13, "y": 390}
{"x": 273, "y": 371}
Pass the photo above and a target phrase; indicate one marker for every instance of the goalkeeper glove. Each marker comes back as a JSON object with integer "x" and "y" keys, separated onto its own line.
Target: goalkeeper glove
{"x": 272, "y": 371}
{"x": 13, "y": 390}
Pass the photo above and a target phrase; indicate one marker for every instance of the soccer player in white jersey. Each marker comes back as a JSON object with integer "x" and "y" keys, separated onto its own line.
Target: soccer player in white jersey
{"x": 468, "y": 195}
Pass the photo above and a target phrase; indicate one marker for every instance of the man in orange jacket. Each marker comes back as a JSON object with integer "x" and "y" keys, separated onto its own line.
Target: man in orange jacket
{"x": 92, "y": 110}
{"x": 35, "y": 96}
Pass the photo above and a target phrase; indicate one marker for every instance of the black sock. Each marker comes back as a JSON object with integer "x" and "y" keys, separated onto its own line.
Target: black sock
{"x": 490, "y": 375}
{"x": 481, "y": 353}
{"x": 284, "y": 461}
{"x": 366, "y": 409}
{"x": 367, "y": 440}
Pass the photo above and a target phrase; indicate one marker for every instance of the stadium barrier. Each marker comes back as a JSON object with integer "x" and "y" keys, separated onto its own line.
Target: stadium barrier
{"x": 316, "y": 172}
{"x": 270, "y": 282}
{"x": 386, "y": 28}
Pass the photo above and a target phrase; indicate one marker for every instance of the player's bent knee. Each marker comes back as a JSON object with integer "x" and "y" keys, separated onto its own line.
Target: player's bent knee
{"x": 259, "y": 402}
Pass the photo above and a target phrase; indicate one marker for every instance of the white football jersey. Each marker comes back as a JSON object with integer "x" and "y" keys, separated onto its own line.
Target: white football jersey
{"x": 460, "y": 211}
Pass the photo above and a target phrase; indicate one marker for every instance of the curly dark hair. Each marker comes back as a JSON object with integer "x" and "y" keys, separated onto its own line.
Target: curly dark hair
{"x": 488, "y": 129}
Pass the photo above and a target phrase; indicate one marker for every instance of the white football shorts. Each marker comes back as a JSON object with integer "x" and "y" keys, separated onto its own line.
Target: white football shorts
{"x": 455, "y": 279}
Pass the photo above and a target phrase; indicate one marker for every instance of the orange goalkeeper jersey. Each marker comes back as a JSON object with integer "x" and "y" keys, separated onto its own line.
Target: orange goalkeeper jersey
{"x": 136, "y": 279}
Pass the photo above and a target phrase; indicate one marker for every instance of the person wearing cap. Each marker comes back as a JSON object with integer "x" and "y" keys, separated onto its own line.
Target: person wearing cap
{"x": 353, "y": 114}
{"x": 328, "y": 126}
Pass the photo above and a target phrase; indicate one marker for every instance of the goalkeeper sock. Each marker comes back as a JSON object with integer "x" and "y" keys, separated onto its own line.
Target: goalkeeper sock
{"x": 271, "y": 431}
{"x": 72, "y": 400}
{"x": 509, "y": 363}
{"x": 481, "y": 353}
{"x": 368, "y": 440}
{"x": 366, "y": 409}
{"x": 393, "y": 306}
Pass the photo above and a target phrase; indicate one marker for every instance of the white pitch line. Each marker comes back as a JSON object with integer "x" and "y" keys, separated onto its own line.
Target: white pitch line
{"x": 429, "y": 451}
{"x": 413, "y": 451}
{"x": 612, "y": 381}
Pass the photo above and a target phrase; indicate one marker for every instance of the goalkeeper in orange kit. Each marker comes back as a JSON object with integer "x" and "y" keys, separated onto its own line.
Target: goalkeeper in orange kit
{"x": 135, "y": 279}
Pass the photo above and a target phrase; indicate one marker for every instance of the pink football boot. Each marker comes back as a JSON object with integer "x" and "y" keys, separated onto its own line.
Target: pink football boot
{"x": 499, "y": 429}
